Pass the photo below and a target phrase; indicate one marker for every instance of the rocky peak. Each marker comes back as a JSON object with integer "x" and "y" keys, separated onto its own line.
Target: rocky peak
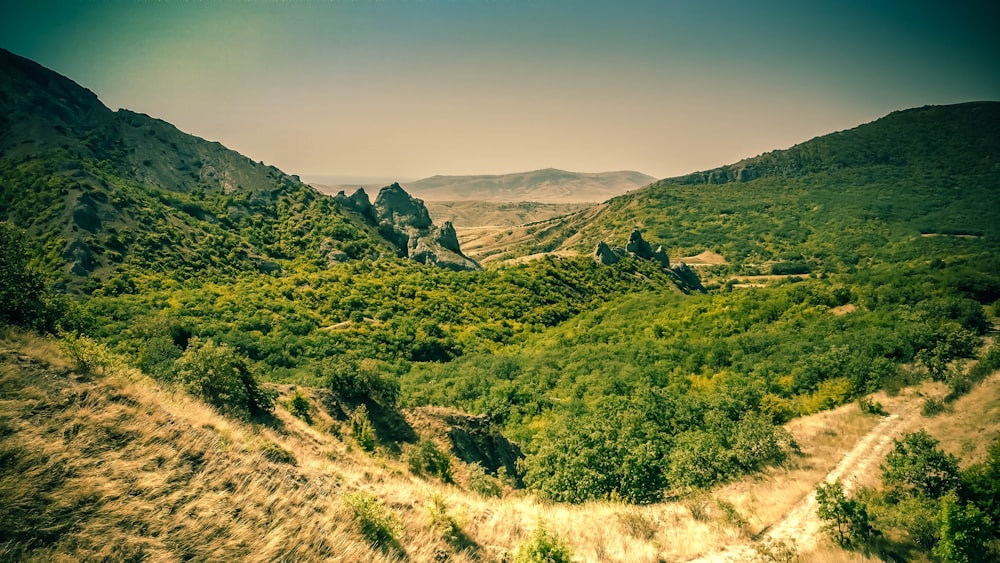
{"x": 405, "y": 222}
{"x": 357, "y": 202}
{"x": 395, "y": 206}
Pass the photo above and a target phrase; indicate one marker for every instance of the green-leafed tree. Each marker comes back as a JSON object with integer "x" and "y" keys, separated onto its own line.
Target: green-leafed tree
{"x": 965, "y": 532}
{"x": 845, "y": 519}
{"x": 221, "y": 377}
{"x": 916, "y": 466}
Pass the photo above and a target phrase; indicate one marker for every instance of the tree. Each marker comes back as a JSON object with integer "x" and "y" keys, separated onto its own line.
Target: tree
{"x": 613, "y": 453}
{"x": 222, "y": 378}
{"x": 917, "y": 467}
{"x": 23, "y": 297}
{"x": 846, "y": 520}
{"x": 965, "y": 532}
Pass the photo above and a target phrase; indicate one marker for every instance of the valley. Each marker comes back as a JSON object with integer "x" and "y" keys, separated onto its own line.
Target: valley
{"x": 203, "y": 357}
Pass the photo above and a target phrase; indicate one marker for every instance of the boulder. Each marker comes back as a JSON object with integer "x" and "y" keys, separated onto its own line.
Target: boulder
{"x": 660, "y": 255}
{"x": 638, "y": 247}
{"x": 604, "y": 255}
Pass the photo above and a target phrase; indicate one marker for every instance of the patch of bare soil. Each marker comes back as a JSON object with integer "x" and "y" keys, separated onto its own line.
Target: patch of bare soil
{"x": 707, "y": 258}
{"x": 844, "y": 309}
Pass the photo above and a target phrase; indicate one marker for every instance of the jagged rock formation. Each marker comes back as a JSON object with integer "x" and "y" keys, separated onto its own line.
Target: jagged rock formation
{"x": 605, "y": 255}
{"x": 358, "y": 202}
{"x": 405, "y": 222}
{"x": 637, "y": 247}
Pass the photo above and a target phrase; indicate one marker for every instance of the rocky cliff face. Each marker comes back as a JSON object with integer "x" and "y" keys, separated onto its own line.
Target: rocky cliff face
{"x": 404, "y": 221}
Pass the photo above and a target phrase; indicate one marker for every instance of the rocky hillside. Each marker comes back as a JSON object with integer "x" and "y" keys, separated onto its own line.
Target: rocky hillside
{"x": 99, "y": 189}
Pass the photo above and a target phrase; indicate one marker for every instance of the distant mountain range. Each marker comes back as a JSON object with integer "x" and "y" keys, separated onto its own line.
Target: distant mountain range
{"x": 543, "y": 186}
{"x": 540, "y": 186}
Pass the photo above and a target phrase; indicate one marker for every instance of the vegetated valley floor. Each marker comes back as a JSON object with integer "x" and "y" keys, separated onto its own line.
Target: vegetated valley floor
{"x": 114, "y": 465}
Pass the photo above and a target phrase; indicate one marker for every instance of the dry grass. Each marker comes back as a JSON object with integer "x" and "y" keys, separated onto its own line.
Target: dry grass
{"x": 117, "y": 466}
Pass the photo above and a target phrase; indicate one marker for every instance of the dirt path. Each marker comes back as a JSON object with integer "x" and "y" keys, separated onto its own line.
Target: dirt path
{"x": 800, "y": 527}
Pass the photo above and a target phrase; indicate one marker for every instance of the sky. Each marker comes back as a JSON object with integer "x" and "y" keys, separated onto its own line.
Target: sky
{"x": 407, "y": 89}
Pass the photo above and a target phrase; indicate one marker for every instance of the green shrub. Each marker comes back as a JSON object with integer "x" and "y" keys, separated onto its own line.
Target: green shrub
{"x": 425, "y": 458}
{"x": 483, "y": 484}
{"x": 543, "y": 547}
{"x": 299, "y": 406}
{"x": 916, "y": 466}
{"x": 932, "y": 407}
{"x": 846, "y": 520}
{"x": 964, "y": 532}
{"x": 277, "y": 454}
{"x": 24, "y": 299}
{"x": 157, "y": 355}
{"x": 443, "y": 523}
{"x": 378, "y": 524}
{"x": 218, "y": 375}
{"x": 85, "y": 353}
{"x": 362, "y": 380}
{"x": 362, "y": 429}
{"x": 868, "y": 406}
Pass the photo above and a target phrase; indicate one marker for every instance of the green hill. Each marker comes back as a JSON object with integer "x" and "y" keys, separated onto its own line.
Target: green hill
{"x": 836, "y": 202}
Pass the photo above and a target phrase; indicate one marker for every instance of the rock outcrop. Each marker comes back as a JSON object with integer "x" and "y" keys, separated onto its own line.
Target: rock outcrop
{"x": 605, "y": 255}
{"x": 404, "y": 221}
{"x": 359, "y": 203}
{"x": 638, "y": 248}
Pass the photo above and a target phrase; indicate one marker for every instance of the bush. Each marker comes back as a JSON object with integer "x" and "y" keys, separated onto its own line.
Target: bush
{"x": 443, "y": 523}
{"x": 483, "y": 484}
{"x": 917, "y": 467}
{"x": 378, "y": 524}
{"x": 543, "y": 547}
{"x": 965, "y": 532}
{"x": 932, "y": 407}
{"x": 361, "y": 381}
{"x": 868, "y": 406}
{"x": 218, "y": 375}
{"x": 846, "y": 520}
{"x": 425, "y": 458}
{"x": 23, "y": 296}
{"x": 86, "y": 354}
{"x": 157, "y": 355}
{"x": 277, "y": 454}
{"x": 362, "y": 429}
{"x": 299, "y": 406}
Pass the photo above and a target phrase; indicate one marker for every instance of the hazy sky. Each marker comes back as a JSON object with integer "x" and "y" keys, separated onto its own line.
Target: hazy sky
{"x": 412, "y": 88}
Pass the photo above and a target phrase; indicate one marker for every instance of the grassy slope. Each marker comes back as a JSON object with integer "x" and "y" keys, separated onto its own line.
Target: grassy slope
{"x": 112, "y": 465}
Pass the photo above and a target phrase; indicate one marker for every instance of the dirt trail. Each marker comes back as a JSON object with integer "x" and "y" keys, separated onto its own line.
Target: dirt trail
{"x": 800, "y": 527}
